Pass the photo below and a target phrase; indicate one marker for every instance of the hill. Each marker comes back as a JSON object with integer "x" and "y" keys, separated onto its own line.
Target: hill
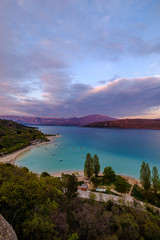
{"x": 39, "y": 209}
{"x": 128, "y": 123}
{"x": 14, "y": 136}
{"x": 74, "y": 121}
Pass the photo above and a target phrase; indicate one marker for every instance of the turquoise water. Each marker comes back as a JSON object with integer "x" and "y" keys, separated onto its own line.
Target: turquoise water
{"x": 123, "y": 150}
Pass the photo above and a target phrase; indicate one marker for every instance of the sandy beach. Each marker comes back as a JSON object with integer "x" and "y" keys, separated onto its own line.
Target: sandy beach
{"x": 10, "y": 158}
{"x": 81, "y": 177}
{"x": 79, "y": 174}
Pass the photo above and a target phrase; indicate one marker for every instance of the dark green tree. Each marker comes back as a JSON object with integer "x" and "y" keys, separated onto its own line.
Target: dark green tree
{"x": 109, "y": 174}
{"x": 155, "y": 179}
{"x": 96, "y": 165}
{"x": 88, "y": 166}
{"x": 145, "y": 176}
{"x": 122, "y": 185}
{"x": 96, "y": 181}
{"x": 45, "y": 174}
{"x": 70, "y": 183}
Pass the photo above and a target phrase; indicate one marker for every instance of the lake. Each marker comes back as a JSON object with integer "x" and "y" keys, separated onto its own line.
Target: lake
{"x": 122, "y": 149}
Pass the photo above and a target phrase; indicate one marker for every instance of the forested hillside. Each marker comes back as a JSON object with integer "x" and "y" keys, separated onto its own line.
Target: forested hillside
{"x": 128, "y": 123}
{"x": 14, "y": 136}
{"x": 38, "y": 209}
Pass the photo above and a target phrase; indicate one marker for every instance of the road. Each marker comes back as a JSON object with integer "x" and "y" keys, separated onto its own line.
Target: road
{"x": 130, "y": 201}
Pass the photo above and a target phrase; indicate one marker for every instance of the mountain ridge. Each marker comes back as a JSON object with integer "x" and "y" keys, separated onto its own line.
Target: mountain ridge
{"x": 57, "y": 121}
{"x": 127, "y": 123}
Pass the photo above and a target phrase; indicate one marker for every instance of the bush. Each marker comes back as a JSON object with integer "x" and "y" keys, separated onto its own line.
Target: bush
{"x": 80, "y": 183}
{"x": 45, "y": 174}
{"x": 122, "y": 185}
{"x": 137, "y": 192}
{"x": 109, "y": 174}
{"x": 96, "y": 181}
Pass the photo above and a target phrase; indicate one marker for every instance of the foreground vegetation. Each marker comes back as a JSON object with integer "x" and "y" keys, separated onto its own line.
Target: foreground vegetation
{"x": 14, "y": 136}
{"x": 149, "y": 191}
{"x": 108, "y": 180}
{"x": 46, "y": 208}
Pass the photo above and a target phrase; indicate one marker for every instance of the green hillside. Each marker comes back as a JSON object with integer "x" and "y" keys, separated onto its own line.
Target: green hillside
{"x": 38, "y": 209}
{"x": 14, "y": 136}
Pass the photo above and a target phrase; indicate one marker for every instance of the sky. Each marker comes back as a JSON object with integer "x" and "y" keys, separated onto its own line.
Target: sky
{"x": 64, "y": 58}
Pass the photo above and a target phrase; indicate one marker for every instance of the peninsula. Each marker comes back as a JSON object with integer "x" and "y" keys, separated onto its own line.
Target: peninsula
{"x": 14, "y": 136}
{"x": 128, "y": 124}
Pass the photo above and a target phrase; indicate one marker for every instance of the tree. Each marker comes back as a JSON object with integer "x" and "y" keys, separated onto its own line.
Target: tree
{"x": 70, "y": 183}
{"x": 96, "y": 165}
{"x": 122, "y": 185}
{"x": 45, "y": 174}
{"x": 155, "y": 179}
{"x": 109, "y": 174}
{"x": 145, "y": 176}
{"x": 96, "y": 181}
{"x": 130, "y": 228}
{"x": 88, "y": 166}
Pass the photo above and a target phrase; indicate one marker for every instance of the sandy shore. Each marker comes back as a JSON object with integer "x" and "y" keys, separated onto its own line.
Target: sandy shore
{"x": 79, "y": 174}
{"x": 131, "y": 180}
{"x": 81, "y": 177}
{"x": 10, "y": 158}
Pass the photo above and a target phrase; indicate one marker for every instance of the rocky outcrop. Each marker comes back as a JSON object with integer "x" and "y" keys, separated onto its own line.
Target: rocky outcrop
{"x": 6, "y": 230}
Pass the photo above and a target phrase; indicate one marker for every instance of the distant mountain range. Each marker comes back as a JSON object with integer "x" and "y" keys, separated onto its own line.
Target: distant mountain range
{"x": 59, "y": 121}
{"x": 128, "y": 123}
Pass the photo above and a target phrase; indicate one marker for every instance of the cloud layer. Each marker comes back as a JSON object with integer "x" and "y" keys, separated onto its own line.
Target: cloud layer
{"x": 120, "y": 98}
{"x": 46, "y": 47}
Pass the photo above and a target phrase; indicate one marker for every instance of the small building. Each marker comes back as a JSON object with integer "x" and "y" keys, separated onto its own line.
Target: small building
{"x": 84, "y": 187}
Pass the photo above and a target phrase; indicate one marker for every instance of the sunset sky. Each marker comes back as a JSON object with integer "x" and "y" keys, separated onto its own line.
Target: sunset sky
{"x": 63, "y": 58}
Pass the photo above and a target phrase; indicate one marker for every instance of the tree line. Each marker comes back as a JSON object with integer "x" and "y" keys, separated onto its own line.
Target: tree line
{"x": 92, "y": 169}
{"x": 150, "y": 181}
{"x": 149, "y": 191}
{"x": 91, "y": 165}
{"x": 147, "y": 179}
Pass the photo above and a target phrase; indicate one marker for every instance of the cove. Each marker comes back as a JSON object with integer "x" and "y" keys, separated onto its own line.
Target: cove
{"x": 122, "y": 149}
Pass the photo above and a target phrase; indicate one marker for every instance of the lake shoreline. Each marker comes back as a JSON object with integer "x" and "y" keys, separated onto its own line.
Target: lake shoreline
{"x": 11, "y": 157}
{"x": 81, "y": 177}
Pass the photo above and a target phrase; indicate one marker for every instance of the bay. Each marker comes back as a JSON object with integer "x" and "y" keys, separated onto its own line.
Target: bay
{"x": 122, "y": 149}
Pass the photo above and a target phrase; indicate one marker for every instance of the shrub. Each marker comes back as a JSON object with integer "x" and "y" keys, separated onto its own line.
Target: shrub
{"x": 122, "y": 185}
{"x": 109, "y": 174}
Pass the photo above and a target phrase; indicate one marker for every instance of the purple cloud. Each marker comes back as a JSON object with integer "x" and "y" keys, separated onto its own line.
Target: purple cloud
{"x": 42, "y": 41}
{"x": 120, "y": 98}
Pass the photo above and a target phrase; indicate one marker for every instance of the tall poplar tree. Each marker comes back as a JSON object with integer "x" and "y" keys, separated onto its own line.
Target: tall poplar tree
{"x": 96, "y": 165}
{"x": 155, "y": 179}
{"x": 88, "y": 166}
{"x": 145, "y": 176}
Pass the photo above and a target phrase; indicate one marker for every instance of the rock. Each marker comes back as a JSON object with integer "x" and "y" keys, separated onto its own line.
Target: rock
{"x": 6, "y": 230}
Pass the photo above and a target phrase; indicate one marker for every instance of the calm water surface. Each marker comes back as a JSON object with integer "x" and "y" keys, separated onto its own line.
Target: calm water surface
{"x": 123, "y": 150}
